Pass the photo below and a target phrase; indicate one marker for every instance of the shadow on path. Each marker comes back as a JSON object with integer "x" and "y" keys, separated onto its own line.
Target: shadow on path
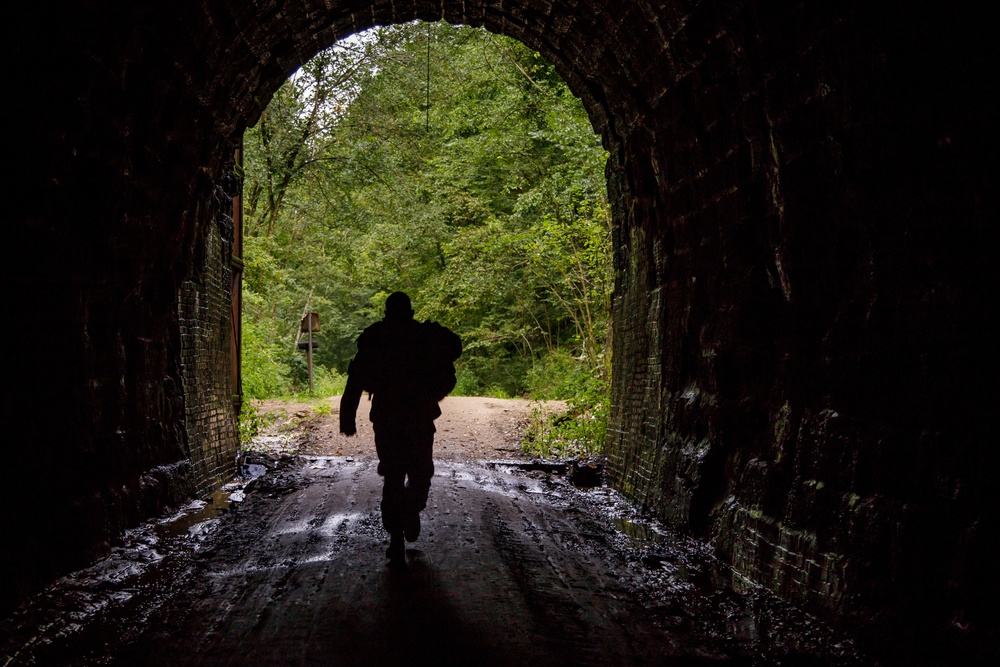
{"x": 512, "y": 568}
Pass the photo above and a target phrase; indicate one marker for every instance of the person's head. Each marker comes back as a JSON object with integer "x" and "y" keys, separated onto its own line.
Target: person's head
{"x": 397, "y": 307}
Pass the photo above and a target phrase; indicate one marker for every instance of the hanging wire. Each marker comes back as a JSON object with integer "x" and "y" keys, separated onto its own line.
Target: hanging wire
{"x": 427, "y": 119}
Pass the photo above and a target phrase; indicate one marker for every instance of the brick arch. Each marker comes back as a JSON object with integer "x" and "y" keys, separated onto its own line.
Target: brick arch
{"x": 567, "y": 38}
{"x": 803, "y": 199}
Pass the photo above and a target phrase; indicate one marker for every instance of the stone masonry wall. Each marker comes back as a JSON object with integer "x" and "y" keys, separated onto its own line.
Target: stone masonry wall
{"x": 803, "y": 313}
{"x": 206, "y": 328}
{"x": 118, "y": 164}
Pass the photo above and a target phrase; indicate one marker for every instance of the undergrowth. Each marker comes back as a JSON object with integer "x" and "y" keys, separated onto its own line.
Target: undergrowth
{"x": 250, "y": 422}
{"x": 579, "y": 432}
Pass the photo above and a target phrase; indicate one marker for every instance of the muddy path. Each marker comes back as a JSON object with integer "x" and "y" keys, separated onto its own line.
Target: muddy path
{"x": 514, "y": 566}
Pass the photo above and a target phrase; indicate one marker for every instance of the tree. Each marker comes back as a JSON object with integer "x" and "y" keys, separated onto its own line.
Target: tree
{"x": 447, "y": 162}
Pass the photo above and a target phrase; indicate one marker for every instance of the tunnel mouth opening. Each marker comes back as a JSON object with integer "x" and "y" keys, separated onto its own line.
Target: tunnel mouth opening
{"x": 453, "y": 163}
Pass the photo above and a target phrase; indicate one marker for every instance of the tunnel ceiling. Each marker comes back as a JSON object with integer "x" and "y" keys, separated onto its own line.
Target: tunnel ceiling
{"x": 611, "y": 59}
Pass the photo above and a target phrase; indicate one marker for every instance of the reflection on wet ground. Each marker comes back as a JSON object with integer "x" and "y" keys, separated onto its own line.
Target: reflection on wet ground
{"x": 640, "y": 532}
{"x": 515, "y": 566}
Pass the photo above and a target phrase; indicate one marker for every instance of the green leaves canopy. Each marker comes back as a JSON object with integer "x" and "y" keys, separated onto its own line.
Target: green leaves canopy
{"x": 488, "y": 206}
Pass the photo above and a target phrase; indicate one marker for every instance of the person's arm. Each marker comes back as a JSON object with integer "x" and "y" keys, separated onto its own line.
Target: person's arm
{"x": 349, "y": 401}
{"x": 358, "y": 376}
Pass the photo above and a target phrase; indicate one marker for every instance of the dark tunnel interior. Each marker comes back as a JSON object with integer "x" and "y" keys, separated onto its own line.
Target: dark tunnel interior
{"x": 804, "y": 203}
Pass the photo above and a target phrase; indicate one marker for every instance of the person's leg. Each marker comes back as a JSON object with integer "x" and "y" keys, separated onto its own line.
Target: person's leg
{"x": 393, "y": 500}
{"x": 420, "y": 469}
{"x": 394, "y": 512}
{"x": 392, "y": 468}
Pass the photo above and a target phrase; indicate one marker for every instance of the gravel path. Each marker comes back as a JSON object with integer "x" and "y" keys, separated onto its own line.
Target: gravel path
{"x": 470, "y": 427}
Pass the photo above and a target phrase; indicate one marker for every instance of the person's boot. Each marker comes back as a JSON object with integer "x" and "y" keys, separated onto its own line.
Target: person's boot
{"x": 411, "y": 526}
{"x": 396, "y": 553}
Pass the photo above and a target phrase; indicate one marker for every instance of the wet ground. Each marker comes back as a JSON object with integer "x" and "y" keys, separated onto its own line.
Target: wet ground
{"x": 513, "y": 567}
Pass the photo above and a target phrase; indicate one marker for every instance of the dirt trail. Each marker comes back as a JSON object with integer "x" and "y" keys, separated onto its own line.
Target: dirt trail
{"x": 513, "y": 567}
{"x": 469, "y": 428}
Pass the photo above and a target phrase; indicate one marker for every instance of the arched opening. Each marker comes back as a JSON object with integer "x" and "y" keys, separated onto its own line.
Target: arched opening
{"x": 453, "y": 164}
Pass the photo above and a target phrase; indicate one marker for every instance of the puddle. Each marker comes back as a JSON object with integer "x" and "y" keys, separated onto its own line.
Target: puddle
{"x": 581, "y": 474}
{"x": 254, "y": 470}
{"x": 91, "y": 608}
{"x": 586, "y": 474}
{"x": 195, "y": 514}
{"x": 198, "y": 512}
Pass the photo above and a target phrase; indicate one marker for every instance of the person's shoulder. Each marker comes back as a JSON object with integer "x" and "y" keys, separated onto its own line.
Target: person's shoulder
{"x": 372, "y": 334}
{"x": 436, "y": 328}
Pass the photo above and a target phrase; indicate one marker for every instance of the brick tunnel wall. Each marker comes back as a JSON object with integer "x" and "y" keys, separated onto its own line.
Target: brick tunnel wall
{"x": 205, "y": 329}
{"x": 803, "y": 308}
{"x": 803, "y": 199}
{"x": 115, "y": 290}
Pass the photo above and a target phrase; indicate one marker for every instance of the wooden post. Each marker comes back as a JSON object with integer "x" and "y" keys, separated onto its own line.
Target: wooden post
{"x": 309, "y": 325}
{"x": 309, "y": 351}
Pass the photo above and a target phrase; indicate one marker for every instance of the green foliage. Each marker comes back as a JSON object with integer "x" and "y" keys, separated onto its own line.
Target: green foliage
{"x": 326, "y": 383}
{"x": 265, "y": 363}
{"x": 488, "y": 207}
{"x": 559, "y": 375}
{"x": 579, "y": 432}
{"x": 467, "y": 384}
{"x": 323, "y": 408}
{"x": 250, "y": 421}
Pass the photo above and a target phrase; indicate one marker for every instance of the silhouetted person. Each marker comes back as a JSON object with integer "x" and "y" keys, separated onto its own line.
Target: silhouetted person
{"x": 406, "y": 366}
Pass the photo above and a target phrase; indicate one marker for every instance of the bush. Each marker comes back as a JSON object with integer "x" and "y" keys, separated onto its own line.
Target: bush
{"x": 559, "y": 376}
{"x": 250, "y": 421}
{"x": 326, "y": 382}
{"x": 580, "y": 431}
{"x": 467, "y": 384}
{"x": 264, "y": 370}
{"x": 490, "y": 376}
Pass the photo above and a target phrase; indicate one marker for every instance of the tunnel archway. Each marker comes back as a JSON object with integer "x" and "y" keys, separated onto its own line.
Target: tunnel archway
{"x": 802, "y": 202}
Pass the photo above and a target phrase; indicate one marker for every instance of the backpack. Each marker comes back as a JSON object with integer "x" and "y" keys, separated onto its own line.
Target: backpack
{"x": 443, "y": 348}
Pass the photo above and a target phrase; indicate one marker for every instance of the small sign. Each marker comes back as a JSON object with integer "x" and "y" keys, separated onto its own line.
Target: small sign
{"x": 315, "y": 323}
